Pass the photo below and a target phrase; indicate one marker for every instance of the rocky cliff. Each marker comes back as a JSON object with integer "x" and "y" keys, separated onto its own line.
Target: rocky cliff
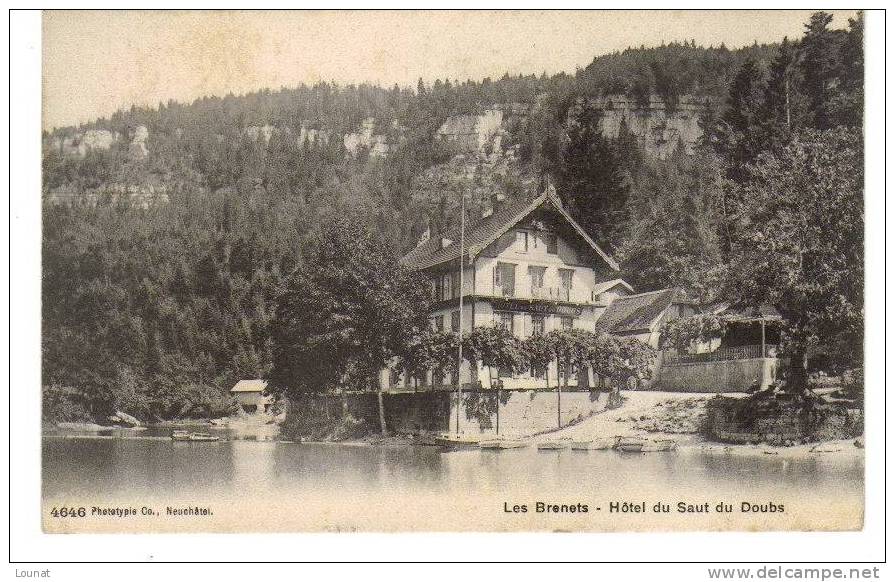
{"x": 658, "y": 125}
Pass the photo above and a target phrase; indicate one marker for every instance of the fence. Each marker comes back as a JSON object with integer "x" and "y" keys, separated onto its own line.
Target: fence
{"x": 722, "y": 354}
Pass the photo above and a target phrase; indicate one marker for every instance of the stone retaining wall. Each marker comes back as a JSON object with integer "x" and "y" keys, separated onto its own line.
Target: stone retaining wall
{"x": 716, "y": 377}
{"x": 482, "y": 412}
{"x": 784, "y": 426}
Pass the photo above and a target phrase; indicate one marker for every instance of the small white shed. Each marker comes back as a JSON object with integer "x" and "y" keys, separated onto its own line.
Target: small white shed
{"x": 252, "y": 395}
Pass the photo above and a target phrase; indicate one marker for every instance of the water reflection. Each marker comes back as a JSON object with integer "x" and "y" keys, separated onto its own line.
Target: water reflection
{"x": 165, "y": 469}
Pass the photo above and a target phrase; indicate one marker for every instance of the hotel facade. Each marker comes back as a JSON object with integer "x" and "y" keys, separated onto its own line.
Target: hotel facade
{"x": 530, "y": 268}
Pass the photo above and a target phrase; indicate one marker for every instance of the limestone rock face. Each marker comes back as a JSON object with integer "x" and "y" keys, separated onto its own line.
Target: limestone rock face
{"x": 658, "y": 126}
{"x": 263, "y": 132}
{"x": 78, "y": 144}
{"x": 143, "y": 195}
{"x": 378, "y": 145}
{"x": 312, "y": 136}
{"x": 138, "y": 143}
{"x": 470, "y": 133}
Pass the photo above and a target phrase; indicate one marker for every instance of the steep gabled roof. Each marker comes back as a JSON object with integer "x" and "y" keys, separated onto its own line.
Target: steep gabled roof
{"x": 488, "y": 230}
{"x": 256, "y": 385}
{"x": 607, "y": 285}
{"x": 638, "y": 312}
{"x": 746, "y": 313}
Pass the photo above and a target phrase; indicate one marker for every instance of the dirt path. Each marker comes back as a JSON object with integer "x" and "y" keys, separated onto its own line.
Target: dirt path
{"x": 644, "y": 413}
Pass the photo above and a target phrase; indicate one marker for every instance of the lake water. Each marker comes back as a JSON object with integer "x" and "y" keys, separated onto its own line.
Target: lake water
{"x": 272, "y": 486}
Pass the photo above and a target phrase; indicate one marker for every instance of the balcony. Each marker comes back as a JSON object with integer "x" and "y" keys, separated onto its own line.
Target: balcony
{"x": 723, "y": 354}
{"x": 551, "y": 293}
{"x": 505, "y": 290}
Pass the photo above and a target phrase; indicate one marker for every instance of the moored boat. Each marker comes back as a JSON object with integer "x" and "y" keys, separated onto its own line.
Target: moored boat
{"x": 659, "y": 445}
{"x": 180, "y": 435}
{"x": 502, "y": 444}
{"x": 203, "y": 437}
{"x": 635, "y": 445}
{"x": 450, "y": 440}
{"x": 630, "y": 444}
{"x": 553, "y": 445}
{"x": 594, "y": 445}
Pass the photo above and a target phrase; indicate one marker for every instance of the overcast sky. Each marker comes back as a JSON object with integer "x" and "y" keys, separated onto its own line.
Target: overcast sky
{"x": 97, "y": 62}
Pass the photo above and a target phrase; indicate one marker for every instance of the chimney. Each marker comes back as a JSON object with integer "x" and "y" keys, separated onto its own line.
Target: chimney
{"x": 427, "y": 234}
{"x": 549, "y": 188}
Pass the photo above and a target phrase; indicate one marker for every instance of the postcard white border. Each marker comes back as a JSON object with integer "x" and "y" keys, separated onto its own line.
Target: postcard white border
{"x": 29, "y": 544}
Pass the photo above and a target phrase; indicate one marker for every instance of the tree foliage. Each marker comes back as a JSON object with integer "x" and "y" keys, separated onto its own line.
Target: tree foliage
{"x": 620, "y": 359}
{"x": 591, "y": 179}
{"x": 163, "y": 275}
{"x": 800, "y": 245}
{"x": 494, "y": 347}
{"x": 684, "y": 332}
{"x": 345, "y": 313}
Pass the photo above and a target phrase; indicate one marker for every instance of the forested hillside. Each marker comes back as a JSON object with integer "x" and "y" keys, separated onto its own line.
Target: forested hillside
{"x": 169, "y": 232}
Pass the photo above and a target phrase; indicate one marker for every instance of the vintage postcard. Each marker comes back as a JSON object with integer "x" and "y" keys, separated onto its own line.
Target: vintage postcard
{"x": 452, "y": 271}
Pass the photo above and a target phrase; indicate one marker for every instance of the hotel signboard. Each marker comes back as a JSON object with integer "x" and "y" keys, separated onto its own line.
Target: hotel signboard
{"x": 505, "y": 304}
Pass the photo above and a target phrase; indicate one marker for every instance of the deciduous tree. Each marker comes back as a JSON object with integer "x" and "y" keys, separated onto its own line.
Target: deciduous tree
{"x": 801, "y": 243}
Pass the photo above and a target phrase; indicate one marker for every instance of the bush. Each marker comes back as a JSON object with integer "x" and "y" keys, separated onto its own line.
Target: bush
{"x": 203, "y": 401}
{"x": 303, "y": 423}
{"x": 61, "y": 404}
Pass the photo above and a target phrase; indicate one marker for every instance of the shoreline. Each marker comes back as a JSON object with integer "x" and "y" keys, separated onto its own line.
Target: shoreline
{"x": 837, "y": 449}
{"x": 644, "y": 415}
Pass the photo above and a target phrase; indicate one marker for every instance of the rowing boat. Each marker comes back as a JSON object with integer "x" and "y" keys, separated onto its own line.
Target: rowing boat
{"x": 553, "y": 445}
{"x": 496, "y": 444}
{"x": 446, "y": 440}
{"x": 203, "y": 437}
{"x": 595, "y": 445}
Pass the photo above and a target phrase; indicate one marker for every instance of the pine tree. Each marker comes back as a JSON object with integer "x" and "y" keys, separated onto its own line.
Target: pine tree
{"x": 592, "y": 181}
{"x": 849, "y": 104}
{"x": 784, "y": 104}
{"x": 736, "y": 138}
{"x": 820, "y": 65}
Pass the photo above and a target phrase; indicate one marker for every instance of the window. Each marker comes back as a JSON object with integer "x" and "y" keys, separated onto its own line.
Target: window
{"x": 505, "y": 280}
{"x": 561, "y": 370}
{"x": 505, "y": 320}
{"x": 522, "y": 240}
{"x": 565, "y": 283}
{"x": 550, "y": 240}
{"x": 433, "y": 321}
{"x": 455, "y": 321}
{"x": 436, "y": 284}
{"x": 537, "y": 325}
{"x": 536, "y": 275}
{"x": 455, "y": 284}
{"x": 566, "y": 322}
{"x": 446, "y": 286}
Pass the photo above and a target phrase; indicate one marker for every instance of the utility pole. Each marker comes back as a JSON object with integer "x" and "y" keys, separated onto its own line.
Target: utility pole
{"x": 460, "y": 348}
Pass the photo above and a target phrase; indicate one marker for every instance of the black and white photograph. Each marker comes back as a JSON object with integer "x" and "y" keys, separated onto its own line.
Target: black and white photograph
{"x": 406, "y": 271}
